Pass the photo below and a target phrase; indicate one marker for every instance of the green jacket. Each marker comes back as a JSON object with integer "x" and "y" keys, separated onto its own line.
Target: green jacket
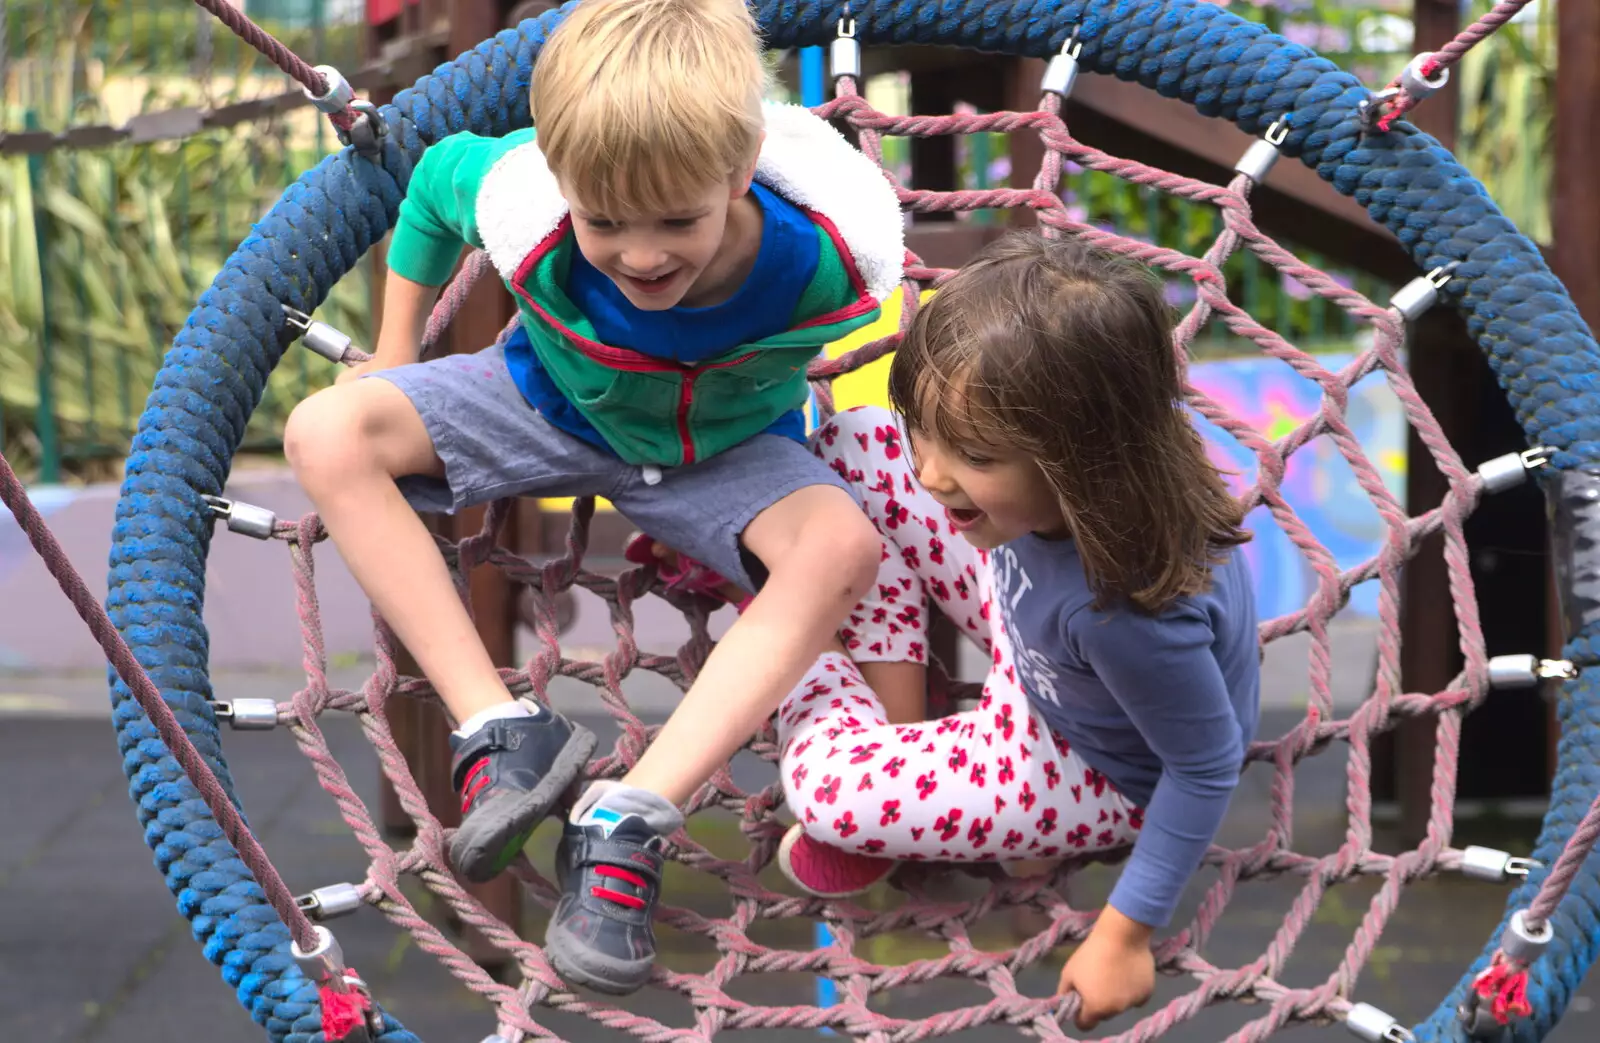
{"x": 498, "y": 193}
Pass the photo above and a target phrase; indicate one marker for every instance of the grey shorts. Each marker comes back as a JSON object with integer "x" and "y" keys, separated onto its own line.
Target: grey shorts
{"x": 494, "y": 444}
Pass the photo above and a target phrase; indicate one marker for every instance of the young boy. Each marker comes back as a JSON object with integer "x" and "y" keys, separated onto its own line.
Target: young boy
{"x": 679, "y": 249}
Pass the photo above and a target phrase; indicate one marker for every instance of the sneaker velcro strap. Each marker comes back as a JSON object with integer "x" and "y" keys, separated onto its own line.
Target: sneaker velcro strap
{"x": 632, "y": 857}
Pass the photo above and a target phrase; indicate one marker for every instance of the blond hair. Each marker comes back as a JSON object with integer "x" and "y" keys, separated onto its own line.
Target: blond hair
{"x": 646, "y": 103}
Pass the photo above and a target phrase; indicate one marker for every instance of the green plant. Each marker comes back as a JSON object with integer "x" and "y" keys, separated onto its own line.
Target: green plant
{"x": 103, "y": 252}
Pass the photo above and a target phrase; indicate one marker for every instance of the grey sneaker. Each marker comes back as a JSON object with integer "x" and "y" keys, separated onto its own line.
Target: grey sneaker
{"x": 510, "y": 773}
{"x": 609, "y": 872}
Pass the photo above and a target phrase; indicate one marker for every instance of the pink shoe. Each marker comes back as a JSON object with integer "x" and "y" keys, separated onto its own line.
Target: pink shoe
{"x": 689, "y": 575}
{"x": 828, "y": 872}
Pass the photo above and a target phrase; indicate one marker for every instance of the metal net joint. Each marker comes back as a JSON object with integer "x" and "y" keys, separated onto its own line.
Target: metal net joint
{"x": 1526, "y": 670}
{"x": 1371, "y": 1025}
{"x": 1494, "y": 865}
{"x": 321, "y": 338}
{"x": 1414, "y": 298}
{"x": 244, "y": 518}
{"x": 1259, "y": 159}
{"x": 844, "y": 54}
{"x": 1062, "y": 72}
{"x": 327, "y": 903}
{"x": 247, "y": 715}
{"x": 1508, "y": 471}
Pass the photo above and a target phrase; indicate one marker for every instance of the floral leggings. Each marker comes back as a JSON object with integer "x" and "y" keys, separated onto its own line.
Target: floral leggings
{"x": 985, "y": 785}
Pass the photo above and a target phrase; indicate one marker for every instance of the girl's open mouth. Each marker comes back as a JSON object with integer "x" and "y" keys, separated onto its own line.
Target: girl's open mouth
{"x": 962, "y": 520}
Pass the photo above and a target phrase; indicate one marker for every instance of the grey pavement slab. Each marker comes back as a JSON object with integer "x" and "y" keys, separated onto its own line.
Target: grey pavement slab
{"x": 92, "y": 949}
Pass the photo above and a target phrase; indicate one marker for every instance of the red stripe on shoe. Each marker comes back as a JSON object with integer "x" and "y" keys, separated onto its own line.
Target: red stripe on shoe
{"x": 620, "y": 874}
{"x": 632, "y": 901}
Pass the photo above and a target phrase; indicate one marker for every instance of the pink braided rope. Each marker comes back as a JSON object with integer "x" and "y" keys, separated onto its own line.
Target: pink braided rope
{"x": 750, "y": 902}
{"x": 128, "y": 668}
{"x": 1403, "y": 102}
{"x": 275, "y": 52}
{"x": 454, "y": 296}
{"x": 860, "y": 978}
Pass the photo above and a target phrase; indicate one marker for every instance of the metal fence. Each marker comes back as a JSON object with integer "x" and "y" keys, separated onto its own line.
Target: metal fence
{"x": 139, "y": 140}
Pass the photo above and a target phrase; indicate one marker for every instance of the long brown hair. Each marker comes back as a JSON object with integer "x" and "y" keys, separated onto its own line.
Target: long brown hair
{"x": 1064, "y": 353}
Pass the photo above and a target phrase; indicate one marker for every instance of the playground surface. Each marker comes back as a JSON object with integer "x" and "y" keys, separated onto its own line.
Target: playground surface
{"x": 93, "y": 951}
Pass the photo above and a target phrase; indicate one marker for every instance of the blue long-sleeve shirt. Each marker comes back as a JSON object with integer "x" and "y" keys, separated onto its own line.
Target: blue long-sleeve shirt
{"x": 1164, "y": 706}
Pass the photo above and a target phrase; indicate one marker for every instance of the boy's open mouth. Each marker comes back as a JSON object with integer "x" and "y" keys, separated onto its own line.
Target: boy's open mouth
{"x": 656, "y": 285}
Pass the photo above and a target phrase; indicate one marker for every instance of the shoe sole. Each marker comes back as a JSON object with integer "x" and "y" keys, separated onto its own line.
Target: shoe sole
{"x": 790, "y": 839}
{"x": 497, "y": 836}
{"x": 570, "y": 966}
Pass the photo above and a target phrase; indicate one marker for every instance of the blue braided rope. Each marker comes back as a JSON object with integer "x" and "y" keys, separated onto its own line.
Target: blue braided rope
{"x": 1540, "y": 349}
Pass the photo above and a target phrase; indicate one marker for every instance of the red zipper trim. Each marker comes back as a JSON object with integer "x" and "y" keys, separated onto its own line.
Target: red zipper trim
{"x": 686, "y": 399}
{"x": 637, "y": 362}
{"x": 863, "y": 302}
{"x": 607, "y": 355}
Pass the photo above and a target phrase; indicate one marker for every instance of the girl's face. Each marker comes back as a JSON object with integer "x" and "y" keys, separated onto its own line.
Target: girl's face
{"x": 990, "y": 496}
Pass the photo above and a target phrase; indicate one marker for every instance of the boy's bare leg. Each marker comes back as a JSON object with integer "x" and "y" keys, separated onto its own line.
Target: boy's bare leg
{"x": 347, "y": 444}
{"x": 511, "y": 761}
{"x": 902, "y": 687}
{"x": 821, "y": 554}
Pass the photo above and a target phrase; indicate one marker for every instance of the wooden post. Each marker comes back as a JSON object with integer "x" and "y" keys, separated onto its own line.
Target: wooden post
{"x": 1575, "y": 254}
{"x": 1510, "y": 561}
{"x": 1429, "y": 655}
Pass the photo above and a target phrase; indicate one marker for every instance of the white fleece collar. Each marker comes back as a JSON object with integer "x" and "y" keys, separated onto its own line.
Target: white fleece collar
{"x": 803, "y": 159}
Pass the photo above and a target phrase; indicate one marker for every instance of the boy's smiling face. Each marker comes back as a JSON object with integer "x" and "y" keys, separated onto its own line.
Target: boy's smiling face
{"x": 689, "y": 254}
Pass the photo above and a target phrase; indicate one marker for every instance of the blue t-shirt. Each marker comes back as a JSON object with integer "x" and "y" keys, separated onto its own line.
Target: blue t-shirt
{"x": 1162, "y": 706}
{"x": 762, "y": 307}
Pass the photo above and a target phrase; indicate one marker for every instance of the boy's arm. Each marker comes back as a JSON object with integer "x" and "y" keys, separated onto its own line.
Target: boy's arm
{"x": 438, "y": 217}
{"x": 406, "y": 306}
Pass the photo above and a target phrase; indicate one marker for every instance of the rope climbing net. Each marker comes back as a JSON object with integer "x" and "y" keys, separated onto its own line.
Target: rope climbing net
{"x": 238, "y": 925}
{"x": 859, "y": 978}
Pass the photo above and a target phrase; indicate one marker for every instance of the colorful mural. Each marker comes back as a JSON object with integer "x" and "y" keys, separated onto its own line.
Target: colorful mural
{"x": 1318, "y": 482}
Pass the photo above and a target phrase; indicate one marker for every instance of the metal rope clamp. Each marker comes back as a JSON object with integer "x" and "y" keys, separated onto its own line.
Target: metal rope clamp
{"x": 321, "y": 338}
{"x": 1259, "y": 159}
{"x": 369, "y": 129}
{"x": 1062, "y": 72}
{"x": 1415, "y": 83}
{"x": 1519, "y": 944}
{"x": 844, "y": 54}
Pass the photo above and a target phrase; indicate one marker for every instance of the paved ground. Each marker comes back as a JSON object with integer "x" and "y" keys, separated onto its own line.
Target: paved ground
{"x": 93, "y": 951}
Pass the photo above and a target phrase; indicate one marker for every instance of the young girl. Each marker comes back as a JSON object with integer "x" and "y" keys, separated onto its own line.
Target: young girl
{"x": 1055, "y": 501}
